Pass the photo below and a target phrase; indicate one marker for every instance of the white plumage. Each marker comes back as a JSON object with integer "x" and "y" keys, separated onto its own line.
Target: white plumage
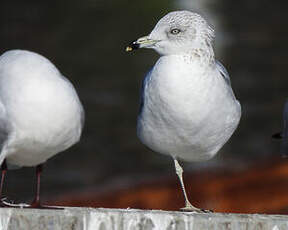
{"x": 41, "y": 114}
{"x": 188, "y": 108}
{"x": 189, "y": 118}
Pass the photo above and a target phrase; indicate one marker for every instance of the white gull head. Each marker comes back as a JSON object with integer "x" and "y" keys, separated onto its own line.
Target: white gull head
{"x": 178, "y": 32}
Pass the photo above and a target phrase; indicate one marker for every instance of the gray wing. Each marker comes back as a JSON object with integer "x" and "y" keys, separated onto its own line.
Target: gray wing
{"x": 223, "y": 72}
{"x": 142, "y": 91}
{"x": 284, "y": 134}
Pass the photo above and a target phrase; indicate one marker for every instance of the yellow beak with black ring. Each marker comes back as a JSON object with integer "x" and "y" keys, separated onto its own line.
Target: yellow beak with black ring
{"x": 143, "y": 42}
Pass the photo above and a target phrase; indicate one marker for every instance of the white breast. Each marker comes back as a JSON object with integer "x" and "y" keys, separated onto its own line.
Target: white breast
{"x": 42, "y": 108}
{"x": 189, "y": 110}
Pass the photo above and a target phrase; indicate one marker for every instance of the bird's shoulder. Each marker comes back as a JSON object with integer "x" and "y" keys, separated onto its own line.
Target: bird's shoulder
{"x": 15, "y": 63}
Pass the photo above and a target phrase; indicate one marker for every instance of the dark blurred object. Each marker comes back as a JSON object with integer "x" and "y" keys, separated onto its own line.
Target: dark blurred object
{"x": 277, "y": 135}
{"x": 262, "y": 189}
{"x": 284, "y": 134}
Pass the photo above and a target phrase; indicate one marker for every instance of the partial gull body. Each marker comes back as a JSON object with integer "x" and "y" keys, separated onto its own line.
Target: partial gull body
{"x": 40, "y": 112}
{"x": 189, "y": 110}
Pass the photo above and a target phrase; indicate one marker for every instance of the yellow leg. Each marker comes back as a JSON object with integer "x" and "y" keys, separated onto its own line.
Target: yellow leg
{"x": 188, "y": 205}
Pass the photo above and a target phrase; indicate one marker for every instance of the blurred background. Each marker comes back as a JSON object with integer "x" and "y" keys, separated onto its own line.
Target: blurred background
{"x": 86, "y": 40}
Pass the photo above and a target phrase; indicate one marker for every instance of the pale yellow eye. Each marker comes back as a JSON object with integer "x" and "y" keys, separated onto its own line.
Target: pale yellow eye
{"x": 175, "y": 31}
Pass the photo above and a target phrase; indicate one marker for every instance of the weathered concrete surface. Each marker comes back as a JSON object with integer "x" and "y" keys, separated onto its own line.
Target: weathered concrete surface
{"x": 131, "y": 219}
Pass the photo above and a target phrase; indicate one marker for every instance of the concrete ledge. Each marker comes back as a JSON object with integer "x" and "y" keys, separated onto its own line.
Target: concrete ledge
{"x": 132, "y": 219}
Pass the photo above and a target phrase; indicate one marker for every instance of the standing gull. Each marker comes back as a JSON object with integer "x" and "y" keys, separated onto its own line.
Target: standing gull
{"x": 40, "y": 113}
{"x": 188, "y": 108}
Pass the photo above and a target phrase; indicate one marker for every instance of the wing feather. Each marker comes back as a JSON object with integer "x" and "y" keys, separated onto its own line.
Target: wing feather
{"x": 223, "y": 71}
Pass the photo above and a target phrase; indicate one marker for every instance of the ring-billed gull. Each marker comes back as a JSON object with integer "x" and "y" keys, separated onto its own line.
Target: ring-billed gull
{"x": 40, "y": 112}
{"x": 188, "y": 109}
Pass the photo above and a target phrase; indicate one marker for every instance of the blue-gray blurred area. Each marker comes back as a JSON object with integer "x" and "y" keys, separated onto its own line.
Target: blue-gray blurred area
{"x": 86, "y": 40}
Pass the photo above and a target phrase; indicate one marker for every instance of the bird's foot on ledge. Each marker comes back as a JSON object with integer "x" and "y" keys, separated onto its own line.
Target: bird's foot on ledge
{"x": 38, "y": 205}
{"x": 191, "y": 208}
{"x": 4, "y": 203}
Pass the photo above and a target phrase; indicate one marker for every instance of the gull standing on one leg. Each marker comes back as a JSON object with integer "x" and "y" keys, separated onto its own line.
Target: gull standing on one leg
{"x": 40, "y": 113}
{"x": 188, "y": 108}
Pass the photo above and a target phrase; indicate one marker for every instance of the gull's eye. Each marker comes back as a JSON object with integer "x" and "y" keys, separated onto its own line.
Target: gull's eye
{"x": 175, "y": 31}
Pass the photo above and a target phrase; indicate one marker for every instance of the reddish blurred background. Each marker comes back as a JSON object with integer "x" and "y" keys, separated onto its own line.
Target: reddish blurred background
{"x": 261, "y": 189}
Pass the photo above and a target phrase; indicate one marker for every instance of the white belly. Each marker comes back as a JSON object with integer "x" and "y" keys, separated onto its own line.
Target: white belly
{"x": 42, "y": 128}
{"x": 187, "y": 115}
